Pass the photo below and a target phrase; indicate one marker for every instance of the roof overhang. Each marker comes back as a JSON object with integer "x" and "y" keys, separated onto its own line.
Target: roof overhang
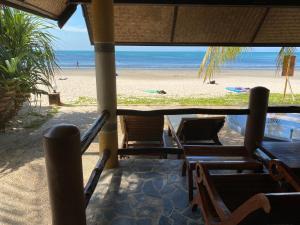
{"x": 187, "y": 22}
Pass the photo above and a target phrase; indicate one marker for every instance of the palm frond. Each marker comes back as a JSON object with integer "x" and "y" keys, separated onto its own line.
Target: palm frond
{"x": 215, "y": 57}
{"x": 284, "y": 51}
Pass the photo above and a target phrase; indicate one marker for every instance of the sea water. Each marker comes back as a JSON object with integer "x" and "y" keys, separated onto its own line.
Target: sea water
{"x": 167, "y": 60}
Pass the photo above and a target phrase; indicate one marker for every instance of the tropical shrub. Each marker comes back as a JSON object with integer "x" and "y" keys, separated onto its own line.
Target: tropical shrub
{"x": 27, "y": 58}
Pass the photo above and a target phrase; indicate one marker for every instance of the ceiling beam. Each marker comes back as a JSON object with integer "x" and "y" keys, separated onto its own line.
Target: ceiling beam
{"x": 79, "y": 1}
{"x": 265, "y": 3}
{"x": 66, "y": 14}
{"x": 231, "y": 44}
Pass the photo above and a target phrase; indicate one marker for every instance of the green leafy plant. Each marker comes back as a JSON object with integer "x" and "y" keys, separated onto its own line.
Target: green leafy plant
{"x": 27, "y": 60}
{"x": 215, "y": 57}
{"x": 26, "y": 52}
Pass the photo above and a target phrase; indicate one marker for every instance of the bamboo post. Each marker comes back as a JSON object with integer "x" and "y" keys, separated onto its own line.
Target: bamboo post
{"x": 256, "y": 120}
{"x": 103, "y": 34}
{"x": 64, "y": 172}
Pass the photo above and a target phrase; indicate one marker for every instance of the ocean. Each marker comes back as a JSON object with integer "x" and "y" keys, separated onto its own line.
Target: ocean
{"x": 167, "y": 60}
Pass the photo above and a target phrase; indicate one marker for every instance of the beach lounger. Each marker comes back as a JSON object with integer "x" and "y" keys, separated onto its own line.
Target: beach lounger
{"x": 200, "y": 130}
{"x": 142, "y": 131}
{"x": 248, "y": 199}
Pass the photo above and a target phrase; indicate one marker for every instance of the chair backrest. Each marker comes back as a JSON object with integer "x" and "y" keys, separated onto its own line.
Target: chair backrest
{"x": 192, "y": 129}
{"x": 143, "y": 128}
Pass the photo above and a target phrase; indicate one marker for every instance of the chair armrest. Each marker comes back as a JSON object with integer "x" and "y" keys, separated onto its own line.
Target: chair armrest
{"x": 214, "y": 150}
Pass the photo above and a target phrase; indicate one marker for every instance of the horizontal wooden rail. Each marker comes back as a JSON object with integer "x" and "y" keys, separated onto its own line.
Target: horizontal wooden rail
{"x": 212, "y": 111}
{"x": 94, "y": 178}
{"x": 92, "y": 132}
{"x": 284, "y": 109}
{"x": 150, "y": 150}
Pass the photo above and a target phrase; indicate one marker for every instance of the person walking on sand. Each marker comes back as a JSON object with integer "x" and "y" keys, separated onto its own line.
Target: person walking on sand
{"x": 77, "y": 65}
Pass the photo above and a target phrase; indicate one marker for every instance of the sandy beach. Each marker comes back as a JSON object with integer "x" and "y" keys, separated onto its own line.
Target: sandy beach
{"x": 176, "y": 83}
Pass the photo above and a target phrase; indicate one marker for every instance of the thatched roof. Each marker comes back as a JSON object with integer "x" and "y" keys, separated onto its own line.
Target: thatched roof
{"x": 187, "y": 22}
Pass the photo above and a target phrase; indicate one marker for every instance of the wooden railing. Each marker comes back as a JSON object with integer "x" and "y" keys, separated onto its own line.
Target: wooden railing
{"x": 63, "y": 152}
{"x": 208, "y": 111}
{"x": 92, "y": 132}
{"x": 64, "y": 148}
{"x": 158, "y": 112}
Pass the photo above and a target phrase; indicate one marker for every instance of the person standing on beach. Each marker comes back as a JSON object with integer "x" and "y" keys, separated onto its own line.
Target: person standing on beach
{"x": 77, "y": 65}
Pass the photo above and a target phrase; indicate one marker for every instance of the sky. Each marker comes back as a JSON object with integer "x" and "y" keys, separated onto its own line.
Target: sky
{"x": 74, "y": 36}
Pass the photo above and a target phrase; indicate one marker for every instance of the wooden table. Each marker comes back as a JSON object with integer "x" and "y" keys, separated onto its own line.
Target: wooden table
{"x": 287, "y": 152}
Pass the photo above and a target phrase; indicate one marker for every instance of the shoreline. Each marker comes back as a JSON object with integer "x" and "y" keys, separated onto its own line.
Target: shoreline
{"x": 172, "y": 69}
{"x": 73, "y": 84}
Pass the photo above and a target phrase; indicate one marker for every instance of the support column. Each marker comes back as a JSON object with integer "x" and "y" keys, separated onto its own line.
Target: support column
{"x": 64, "y": 172}
{"x": 256, "y": 121}
{"x": 103, "y": 34}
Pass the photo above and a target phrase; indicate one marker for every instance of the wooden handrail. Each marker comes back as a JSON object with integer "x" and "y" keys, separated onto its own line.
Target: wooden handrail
{"x": 94, "y": 178}
{"x": 284, "y": 109}
{"x": 92, "y": 132}
{"x": 213, "y": 111}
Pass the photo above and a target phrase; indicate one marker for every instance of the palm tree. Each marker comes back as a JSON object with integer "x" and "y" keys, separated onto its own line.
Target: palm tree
{"x": 26, "y": 45}
{"x": 215, "y": 57}
{"x": 27, "y": 60}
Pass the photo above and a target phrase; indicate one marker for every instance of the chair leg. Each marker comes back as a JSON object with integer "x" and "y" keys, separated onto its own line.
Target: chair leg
{"x": 169, "y": 132}
{"x": 195, "y": 203}
{"x": 183, "y": 172}
{"x": 190, "y": 184}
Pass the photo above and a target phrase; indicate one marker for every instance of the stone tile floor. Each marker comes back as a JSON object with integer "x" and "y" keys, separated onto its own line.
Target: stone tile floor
{"x": 142, "y": 192}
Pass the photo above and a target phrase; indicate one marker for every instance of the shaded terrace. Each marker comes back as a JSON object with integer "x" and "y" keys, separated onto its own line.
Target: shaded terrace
{"x": 143, "y": 191}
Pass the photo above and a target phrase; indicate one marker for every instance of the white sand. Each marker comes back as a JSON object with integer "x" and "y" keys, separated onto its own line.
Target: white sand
{"x": 177, "y": 83}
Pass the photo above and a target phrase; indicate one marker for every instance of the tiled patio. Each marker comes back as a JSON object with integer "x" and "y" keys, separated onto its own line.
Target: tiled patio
{"x": 142, "y": 192}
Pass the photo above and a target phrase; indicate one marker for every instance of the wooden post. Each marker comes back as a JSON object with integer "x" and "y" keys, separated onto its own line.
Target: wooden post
{"x": 103, "y": 33}
{"x": 256, "y": 121}
{"x": 64, "y": 172}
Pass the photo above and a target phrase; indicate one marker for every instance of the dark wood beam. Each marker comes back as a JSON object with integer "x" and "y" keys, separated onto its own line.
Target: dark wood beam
{"x": 88, "y": 23}
{"x": 79, "y": 1}
{"x": 280, "y": 3}
{"x": 232, "y": 44}
{"x": 66, "y": 14}
{"x": 284, "y": 109}
{"x": 212, "y": 111}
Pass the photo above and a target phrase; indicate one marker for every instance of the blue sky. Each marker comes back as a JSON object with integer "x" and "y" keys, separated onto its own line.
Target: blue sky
{"x": 74, "y": 36}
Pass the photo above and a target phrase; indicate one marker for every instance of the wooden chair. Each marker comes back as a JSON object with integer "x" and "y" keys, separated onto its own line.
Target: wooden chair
{"x": 140, "y": 131}
{"x": 242, "y": 199}
{"x": 200, "y": 130}
{"x": 217, "y": 157}
{"x": 233, "y": 157}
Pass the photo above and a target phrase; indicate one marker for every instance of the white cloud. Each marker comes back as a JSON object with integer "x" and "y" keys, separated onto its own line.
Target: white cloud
{"x": 74, "y": 29}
